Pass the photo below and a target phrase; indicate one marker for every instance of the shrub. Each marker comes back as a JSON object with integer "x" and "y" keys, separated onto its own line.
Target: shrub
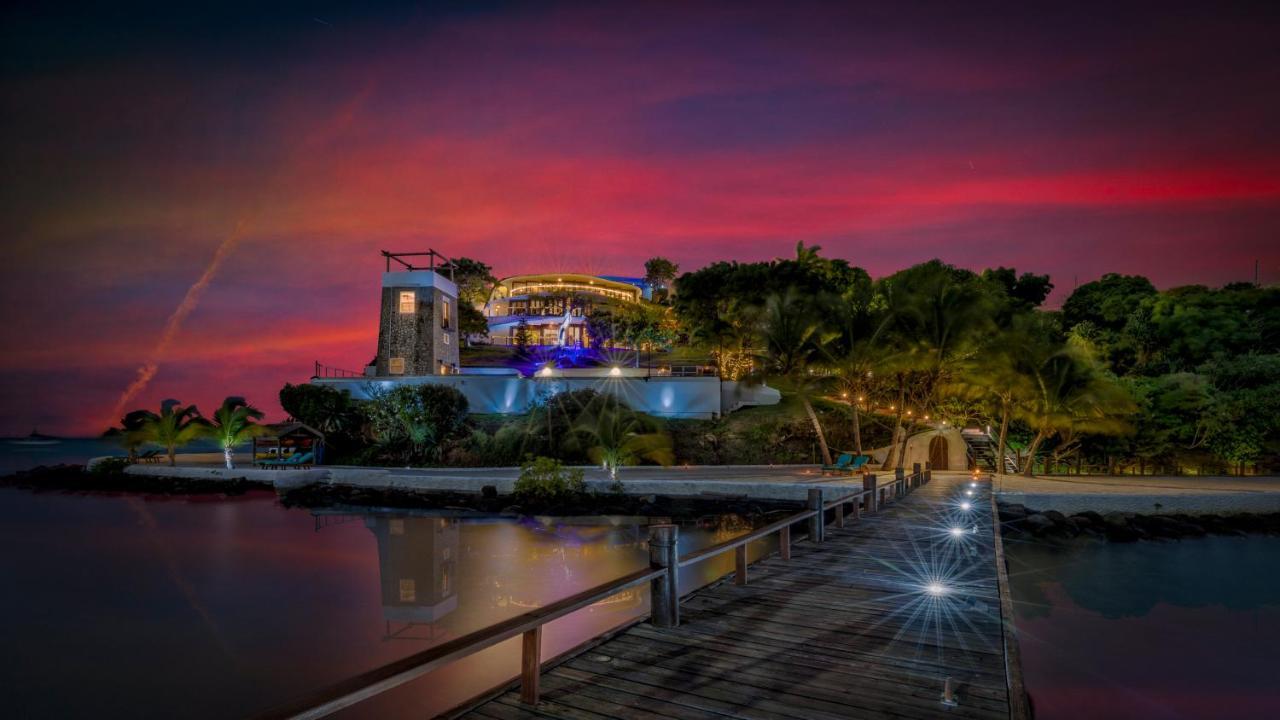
{"x": 111, "y": 466}
{"x": 416, "y": 422}
{"x": 546, "y": 480}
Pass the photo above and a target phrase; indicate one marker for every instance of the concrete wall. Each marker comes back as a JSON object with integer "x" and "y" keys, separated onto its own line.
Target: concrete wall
{"x": 687, "y": 397}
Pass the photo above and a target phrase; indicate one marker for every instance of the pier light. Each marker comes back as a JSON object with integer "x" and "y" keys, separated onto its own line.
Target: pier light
{"x": 966, "y": 505}
{"x": 908, "y": 412}
{"x": 615, "y": 371}
{"x": 973, "y": 484}
{"x": 956, "y": 532}
{"x": 969, "y": 493}
{"x": 935, "y": 589}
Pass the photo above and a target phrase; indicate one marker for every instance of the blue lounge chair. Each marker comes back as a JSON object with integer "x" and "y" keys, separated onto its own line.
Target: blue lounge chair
{"x": 842, "y": 463}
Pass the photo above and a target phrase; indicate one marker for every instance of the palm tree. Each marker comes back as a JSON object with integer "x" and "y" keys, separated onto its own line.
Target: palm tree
{"x": 1072, "y": 395}
{"x": 936, "y": 317}
{"x": 131, "y": 432}
{"x": 233, "y": 424}
{"x": 174, "y": 426}
{"x": 793, "y": 340}
{"x": 1005, "y": 373}
{"x": 617, "y": 436}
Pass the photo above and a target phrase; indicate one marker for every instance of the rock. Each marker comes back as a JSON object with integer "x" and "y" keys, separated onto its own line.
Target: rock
{"x": 1038, "y": 523}
{"x": 1057, "y": 517}
{"x": 1117, "y": 519}
{"x": 1122, "y": 533}
{"x": 1094, "y": 517}
{"x": 1012, "y": 511}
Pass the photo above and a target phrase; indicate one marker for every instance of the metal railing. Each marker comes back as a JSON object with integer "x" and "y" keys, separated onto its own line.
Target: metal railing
{"x": 664, "y": 595}
{"x": 327, "y": 371}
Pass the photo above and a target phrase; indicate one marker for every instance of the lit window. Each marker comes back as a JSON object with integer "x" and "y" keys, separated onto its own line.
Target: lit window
{"x": 408, "y": 301}
{"x": 444, "y": 315}
{"x": 408, "y": 590}
{"x": 395, "y": 366}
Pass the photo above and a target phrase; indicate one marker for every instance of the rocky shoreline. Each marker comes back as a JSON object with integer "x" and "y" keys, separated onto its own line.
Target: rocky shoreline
{"x": 75, "y": 479}
{"x": 1020, "y": 522}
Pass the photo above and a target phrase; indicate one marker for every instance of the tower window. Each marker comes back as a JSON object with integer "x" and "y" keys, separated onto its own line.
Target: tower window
{"x": 444, "y": 314}
{"x": 408, "y": 301}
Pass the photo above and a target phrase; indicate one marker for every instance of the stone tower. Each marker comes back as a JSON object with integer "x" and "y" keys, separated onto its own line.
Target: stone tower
{"x": 418, "y": 327}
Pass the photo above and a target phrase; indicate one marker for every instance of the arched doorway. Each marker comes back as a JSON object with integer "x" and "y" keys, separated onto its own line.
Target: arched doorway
{"x": 938, "y": 453}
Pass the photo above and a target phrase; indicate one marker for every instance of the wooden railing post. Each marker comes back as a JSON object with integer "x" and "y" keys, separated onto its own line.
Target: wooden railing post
{"x": 839, "y": 517}
{"x": 664, "y": 591}
{"x": 928, "y": 472}
{"x": 817, "y": 522}
{"x": 871, "y": 499}
{"x": 740, "y": 565}
{"x": 899, "y": 484}
{"x": 530, "y": 665}
{"x": 915, "y": 475}
{"x": 784, "y": 542}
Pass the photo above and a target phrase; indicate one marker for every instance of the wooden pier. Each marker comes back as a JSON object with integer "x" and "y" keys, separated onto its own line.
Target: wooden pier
{"x": 878, "y": 621}
{"x": 896, "y": 607}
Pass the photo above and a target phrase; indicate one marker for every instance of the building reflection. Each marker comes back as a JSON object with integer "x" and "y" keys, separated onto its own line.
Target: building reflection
{"x": 417, "y": 566}
{"x": 444, "y": 575}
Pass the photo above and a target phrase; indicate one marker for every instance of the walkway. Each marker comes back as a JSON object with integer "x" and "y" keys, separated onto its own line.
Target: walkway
{"x": 869, "y": 624}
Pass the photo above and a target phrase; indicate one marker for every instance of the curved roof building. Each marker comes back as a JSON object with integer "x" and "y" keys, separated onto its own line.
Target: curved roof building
{"x": 553, "y": 307}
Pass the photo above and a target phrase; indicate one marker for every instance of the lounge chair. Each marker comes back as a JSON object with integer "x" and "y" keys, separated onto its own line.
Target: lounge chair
{"x": 298, "y": 460}
{"x": 150, "y": 456}
{"x": 842, "y": 463}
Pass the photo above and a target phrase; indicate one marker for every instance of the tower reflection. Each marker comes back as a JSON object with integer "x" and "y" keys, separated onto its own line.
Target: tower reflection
{"x": 417, "y": 566}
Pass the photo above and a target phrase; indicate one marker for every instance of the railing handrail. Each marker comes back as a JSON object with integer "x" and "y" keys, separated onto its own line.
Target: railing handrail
{"x": 373, "y": 682}
{"x": 710, "y": 551}
{"x": 360, "y": 687}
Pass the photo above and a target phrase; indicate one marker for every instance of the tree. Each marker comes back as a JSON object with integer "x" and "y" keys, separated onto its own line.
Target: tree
{"x": 233, "y": 424}
{"x": 1072, "y": 395}
{"x": 659, "y": 273}
{"x": 935, "y": 318}
{"x": 175, "y": 425}
{"x": 793, "y": 339}
{"x": 130, "y": 434}
{"x": 615, "y": 435}
{"x": 475, "y": 280}
{"x": 415, "y": 422}
{"x": 324, "y": 408}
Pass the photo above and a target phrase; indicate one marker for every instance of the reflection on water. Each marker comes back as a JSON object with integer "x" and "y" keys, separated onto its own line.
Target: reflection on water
{"x": 120, "y": 606}
{"x": 1150, "y": 630}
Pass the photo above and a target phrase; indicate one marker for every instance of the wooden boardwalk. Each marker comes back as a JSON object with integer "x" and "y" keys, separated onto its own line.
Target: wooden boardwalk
{"x": 869, "y": 624}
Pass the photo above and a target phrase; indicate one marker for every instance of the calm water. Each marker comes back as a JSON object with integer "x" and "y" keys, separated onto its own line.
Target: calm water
{"x": 1181, "y": 630}
{"x": 125, "y": 606}
{"x": 16, "y": 456}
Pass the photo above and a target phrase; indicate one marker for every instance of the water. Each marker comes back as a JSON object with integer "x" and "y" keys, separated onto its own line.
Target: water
{"x": 132, "y": 606}
{"x": 1183, "y": 630}
{"x": 15, "y": 456}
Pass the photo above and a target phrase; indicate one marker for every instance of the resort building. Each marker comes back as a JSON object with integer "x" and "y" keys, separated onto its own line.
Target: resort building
{"x": 418, "y": 344}
{"x": 552, "y": 309}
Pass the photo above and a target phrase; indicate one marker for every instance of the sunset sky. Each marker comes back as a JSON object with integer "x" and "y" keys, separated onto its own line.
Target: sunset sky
{"x": 141, "y": 144}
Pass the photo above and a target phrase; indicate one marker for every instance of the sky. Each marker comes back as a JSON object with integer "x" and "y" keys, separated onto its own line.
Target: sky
{"x": 196, "y": 198}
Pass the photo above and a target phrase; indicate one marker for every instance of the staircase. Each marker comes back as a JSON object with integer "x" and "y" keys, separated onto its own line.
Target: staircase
{"x": 982, "y": 451}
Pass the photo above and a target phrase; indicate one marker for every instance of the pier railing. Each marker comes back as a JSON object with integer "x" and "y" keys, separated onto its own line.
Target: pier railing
{"x": 328, "y": 371}
{"x": 664, "y": 598}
